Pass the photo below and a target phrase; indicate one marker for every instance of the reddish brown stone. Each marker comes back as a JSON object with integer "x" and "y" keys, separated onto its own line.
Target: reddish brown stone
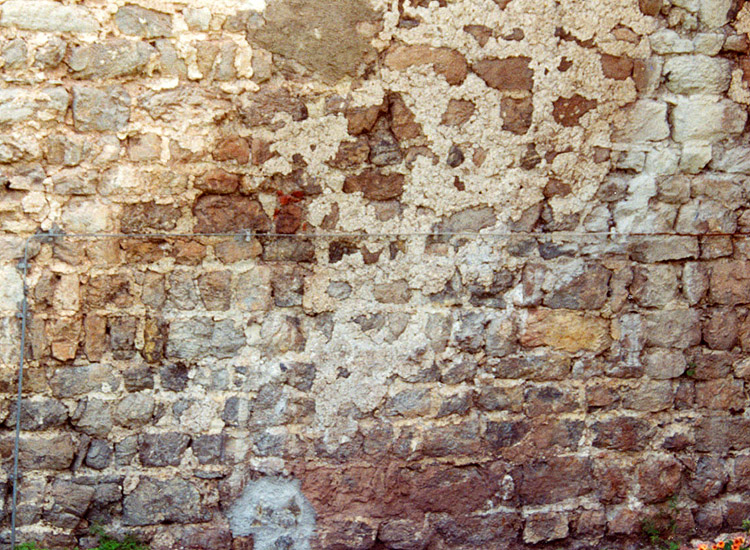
{"x": 556, "y": 188}
{"x": 403, "y": 124}
{"x": 591, "y": 522}
{"x": 659, "y": 479}
{"x": 601, "y": 394}
{"x": 517, "y": 114}
{"x": 188, "y": 252}
{"x": 549, "y": 399}
{"x": 492, "y": 530}
{"x": 546, "y": 438}
{"x": 237, "y": 250}
{"x": 261, "y": 107}
{"x": 708, "y": 478}
{"x": 446, "y": 62}
{"x": 344, "y": 535}
{"x": 351, "y": 154}
{"x": 587, "y": 291}
{"x": 480, "y": 155}
{"x": 64, "y": 335}
{"x": 623, "y": 433}
{"x": 722, "y": 434}
{"x": 720, "y": 330}
{"x": 500, "y": 435}
{"x": 710, "y": 365}
{"x": 288, "y": 250}
{"x": 218, "y": 181}
{"x": 289, "y": 218}
{"x": 143, "y": 217}
{"x": 556, "y": 479}
{"x": 568, "y": 111}
{"x": 612, "y": 480}
{"x": 143, "y": 251}
{"x": 227, "y": 213}
{"x": 480, "y": 33}
{"x": 723, "y": 394}
{"x": 107, "y": 291}
{"x": 545, "y": 527}
{"x": 95, "y": 336}
{"x": 650, "y": 7}
{"x": 745, "y": 66}
{"x": 375, "y": 185}
{"x": 444, "y": 488}
{"x": 260, "y": 151}
{"x": 362, "y": 119}
{"x": 730, "y": 283}
{"x": 508, "y": 74}
{"x": 616, "y": 67}
{"x": 737, "y": 514}
{"x": 566, "y": 330}
{"x": 452, "y": 440}
{"x": 624, "y": 521}
{"x": 458, "y": 112}
{"x": 233, "y": 148}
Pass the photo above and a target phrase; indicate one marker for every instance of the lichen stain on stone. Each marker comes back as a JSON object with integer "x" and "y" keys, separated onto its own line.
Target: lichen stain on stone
{"x": 322, "y": 35}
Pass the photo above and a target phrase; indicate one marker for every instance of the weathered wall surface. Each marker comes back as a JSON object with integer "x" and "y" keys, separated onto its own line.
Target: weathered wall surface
{"x": 557, "y": 374}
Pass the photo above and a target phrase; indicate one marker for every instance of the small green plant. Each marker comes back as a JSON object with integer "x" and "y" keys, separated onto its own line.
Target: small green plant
{"x": 660, "y": 530}
{"x": 690, "y": 371}
{"x": 106, "y": 542}
{"x": 746, "y": 525}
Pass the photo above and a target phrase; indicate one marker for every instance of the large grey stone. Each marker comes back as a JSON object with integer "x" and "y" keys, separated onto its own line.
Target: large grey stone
{"x": 662, "y": 249}
{"x": 694, "y": 74}
{"x": 134, "y": 409}
{"x": 705, "y": 118}
{"x": 39, "y": 414}
{"x": 97, "y": 109}
{"x": 72, "y": 381}
{"x": 99, "y": 454}
{"x": 50, "y": 54}
{"x": 170, "y": 501}
{"x": 94, "y": 417}
{"x": 679, "y": 328}
{"x": 67, "y": 502}
{"x": 113, "y": 58}
{"x": 46, "y": 15}
{"x": 19, "y": 104}
{"x": 714, "y": 13}
{"x": 735, "y": 160}
{"x": 143, "y": 22}
{"x": 310, "y": 34}
{"x": 192, "y": 339}
{"x": 646, "y": 121}
{"x": 705, "y": 216}
{"x": 46, "y": 453}
{"x": 667, "y": 41}
{"x": 14, "y": 54}
{"x": 162, "y": 449}
{"x": 126, "y": 450}
{"x": 662, "y": 364}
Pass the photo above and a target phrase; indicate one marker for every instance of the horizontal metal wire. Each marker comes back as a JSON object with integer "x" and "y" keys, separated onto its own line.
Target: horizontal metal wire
{"x": 351, "y": 235}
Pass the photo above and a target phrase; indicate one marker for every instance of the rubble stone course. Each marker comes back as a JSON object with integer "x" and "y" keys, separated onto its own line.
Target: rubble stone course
{"x": 486, "y": 283}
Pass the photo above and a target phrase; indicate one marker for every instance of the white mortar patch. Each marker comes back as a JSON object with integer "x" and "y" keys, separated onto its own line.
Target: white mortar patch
{"x": 275, "y": 512}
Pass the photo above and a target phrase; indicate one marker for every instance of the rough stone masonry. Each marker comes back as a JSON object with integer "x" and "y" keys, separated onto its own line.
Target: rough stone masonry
{"x": 563, "y": 359}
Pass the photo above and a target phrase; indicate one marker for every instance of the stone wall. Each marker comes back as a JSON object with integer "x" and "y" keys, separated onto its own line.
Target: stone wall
{"x": 484, "y": 278}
